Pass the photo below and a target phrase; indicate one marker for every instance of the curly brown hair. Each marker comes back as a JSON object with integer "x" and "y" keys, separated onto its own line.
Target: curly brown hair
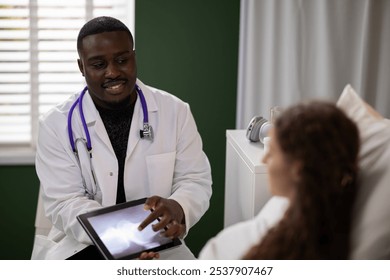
{"x": 317, "y": 223}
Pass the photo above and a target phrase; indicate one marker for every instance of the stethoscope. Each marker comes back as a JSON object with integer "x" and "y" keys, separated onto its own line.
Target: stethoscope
{"x": 145, "y": 133}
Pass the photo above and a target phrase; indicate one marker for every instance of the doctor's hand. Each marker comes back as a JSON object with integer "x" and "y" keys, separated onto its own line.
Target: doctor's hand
{"x": 168, "y": 213}
{"x": 149, "y": 256}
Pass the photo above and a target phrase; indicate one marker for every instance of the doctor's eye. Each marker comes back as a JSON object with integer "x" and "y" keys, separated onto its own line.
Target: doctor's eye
{"x": 122, "y": 60}
{"x": 98, "y": 65}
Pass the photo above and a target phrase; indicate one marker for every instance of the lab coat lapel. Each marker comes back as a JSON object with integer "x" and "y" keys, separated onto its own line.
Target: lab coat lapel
{"x": 104, "y": 155}
{"x": 94, "y": 122}
{"x": 138, "y": 117}
{"x": 134, "y": 128}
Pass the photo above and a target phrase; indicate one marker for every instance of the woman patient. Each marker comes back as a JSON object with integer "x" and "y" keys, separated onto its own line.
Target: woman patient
{"x": 312, "y": 168}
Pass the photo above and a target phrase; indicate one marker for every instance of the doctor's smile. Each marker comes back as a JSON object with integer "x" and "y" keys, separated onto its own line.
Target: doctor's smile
{"x": 115, "y": 87}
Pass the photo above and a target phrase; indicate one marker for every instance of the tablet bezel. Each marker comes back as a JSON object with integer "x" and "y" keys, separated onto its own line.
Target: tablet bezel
{"x": 85, "y": 223}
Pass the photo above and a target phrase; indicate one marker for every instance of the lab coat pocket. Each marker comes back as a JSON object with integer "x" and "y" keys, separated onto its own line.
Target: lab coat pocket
{"x": 160, "y": 173}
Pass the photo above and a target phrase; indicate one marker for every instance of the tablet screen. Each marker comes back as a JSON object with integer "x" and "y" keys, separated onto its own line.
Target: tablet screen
{"x": 114, "y": 230}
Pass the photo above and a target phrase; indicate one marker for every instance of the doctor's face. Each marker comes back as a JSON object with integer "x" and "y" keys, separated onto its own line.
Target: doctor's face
{"x": 107, "y": 61}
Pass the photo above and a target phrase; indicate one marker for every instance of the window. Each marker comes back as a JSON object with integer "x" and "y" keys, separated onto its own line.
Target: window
{"x": 38, "y": 67}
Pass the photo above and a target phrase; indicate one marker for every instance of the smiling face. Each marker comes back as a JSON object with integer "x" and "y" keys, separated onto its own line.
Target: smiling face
{"x": 107, "y": 61}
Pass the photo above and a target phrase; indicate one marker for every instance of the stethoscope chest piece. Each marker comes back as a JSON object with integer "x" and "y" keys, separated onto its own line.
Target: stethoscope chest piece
{"x": 146, "y": 132}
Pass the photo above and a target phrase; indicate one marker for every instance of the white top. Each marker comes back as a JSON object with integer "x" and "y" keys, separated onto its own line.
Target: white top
{"x": 233, "y": 242}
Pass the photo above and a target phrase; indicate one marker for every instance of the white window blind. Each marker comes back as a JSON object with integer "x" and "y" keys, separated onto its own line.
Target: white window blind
{"x": 38, "y": 58}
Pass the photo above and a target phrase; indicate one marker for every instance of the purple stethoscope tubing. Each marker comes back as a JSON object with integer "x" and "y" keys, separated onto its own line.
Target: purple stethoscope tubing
{"x": 146, "y": 132}
{"x": 70, "y": 114}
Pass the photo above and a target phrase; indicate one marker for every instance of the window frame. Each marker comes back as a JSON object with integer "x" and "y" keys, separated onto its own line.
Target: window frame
{"x": 21, "y": 153}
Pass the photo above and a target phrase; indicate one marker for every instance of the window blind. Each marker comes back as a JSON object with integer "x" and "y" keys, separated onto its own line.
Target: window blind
{"x": 38, "y": 58}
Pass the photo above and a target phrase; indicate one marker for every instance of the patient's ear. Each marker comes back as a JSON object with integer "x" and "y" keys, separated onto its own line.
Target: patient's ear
{"x": 296, "y": 168}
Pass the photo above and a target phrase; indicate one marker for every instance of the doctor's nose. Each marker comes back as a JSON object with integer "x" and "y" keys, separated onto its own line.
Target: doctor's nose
{"x": 111, "y": 71}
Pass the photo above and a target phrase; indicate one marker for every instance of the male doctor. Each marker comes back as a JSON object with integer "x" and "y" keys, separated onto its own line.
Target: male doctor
{"x": 130, "y": 161}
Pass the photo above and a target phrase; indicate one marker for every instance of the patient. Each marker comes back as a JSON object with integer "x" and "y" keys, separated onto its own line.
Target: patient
{"x": 312, "y": 168}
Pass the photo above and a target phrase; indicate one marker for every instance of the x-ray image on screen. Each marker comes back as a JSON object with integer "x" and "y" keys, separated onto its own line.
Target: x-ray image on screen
{"x": 119, "y": 231}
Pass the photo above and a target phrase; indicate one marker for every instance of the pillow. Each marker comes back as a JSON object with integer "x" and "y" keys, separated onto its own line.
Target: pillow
{"x": 371, "y": 218}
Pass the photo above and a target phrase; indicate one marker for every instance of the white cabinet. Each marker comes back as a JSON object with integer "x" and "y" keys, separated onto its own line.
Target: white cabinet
{"x": 246, "y": 183}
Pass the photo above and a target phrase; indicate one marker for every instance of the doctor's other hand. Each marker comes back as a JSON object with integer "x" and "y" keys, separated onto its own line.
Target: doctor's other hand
{"x": 168, "y": 213}
{"x": 149, "y": 256}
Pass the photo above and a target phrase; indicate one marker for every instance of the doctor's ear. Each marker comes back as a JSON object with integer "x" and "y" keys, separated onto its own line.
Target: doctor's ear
{"x": 81, "y": 67}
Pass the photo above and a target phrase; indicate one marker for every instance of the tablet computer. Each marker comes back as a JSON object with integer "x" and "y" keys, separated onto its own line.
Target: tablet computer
{"x": 114, "y": 231}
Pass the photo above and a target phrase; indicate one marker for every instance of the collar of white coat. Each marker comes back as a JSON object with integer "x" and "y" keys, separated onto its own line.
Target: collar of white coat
{"x": 90, "y": 111}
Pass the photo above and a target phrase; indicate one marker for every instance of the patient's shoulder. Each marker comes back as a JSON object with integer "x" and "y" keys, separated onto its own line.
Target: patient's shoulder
{"x": 272, "y": 212}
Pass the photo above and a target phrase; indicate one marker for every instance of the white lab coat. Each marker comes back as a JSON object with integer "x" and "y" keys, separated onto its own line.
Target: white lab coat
{"x": 233, "y": 242}
{"x": 172, "y": 166}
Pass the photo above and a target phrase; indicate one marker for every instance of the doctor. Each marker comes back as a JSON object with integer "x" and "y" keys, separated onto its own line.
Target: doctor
{"x": 118, "y": 140}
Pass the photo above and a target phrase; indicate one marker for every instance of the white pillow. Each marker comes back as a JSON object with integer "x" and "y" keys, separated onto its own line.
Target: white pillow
{"x": 371, "y": 218}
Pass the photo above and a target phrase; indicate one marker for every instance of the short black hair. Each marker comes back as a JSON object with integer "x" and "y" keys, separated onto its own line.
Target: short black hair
{"x": 99, "y": 25}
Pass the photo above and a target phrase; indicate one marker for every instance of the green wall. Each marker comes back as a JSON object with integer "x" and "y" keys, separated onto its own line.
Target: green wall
{"x": 189, "y": 48}
{"x": 19, "y": 195}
